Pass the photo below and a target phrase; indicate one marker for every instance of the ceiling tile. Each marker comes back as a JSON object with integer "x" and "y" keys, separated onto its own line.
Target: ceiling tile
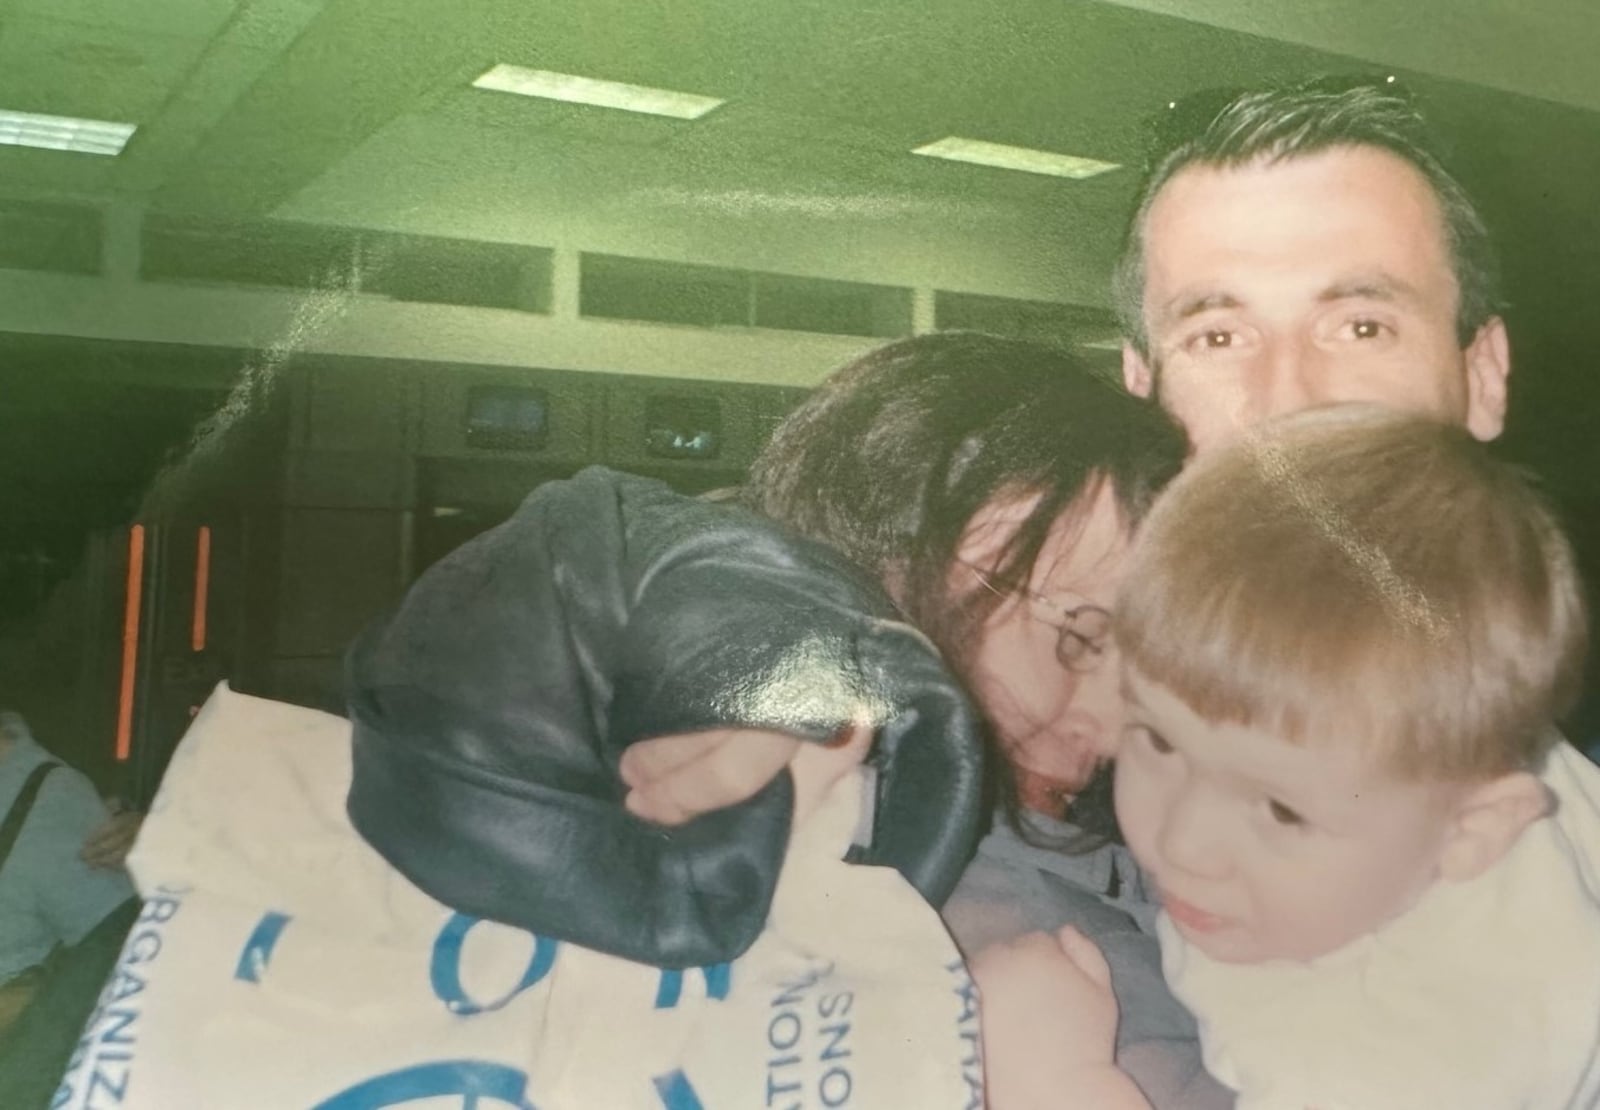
{"x": 69, "y": 69}
{"x": 53, "y": 173}
{"x": 193, "y": 19}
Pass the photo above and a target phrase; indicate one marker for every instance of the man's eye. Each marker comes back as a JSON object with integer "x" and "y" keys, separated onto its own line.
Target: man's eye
{"x": 1285, "y": 816}
{"x": 1210, "y": 341}
{"x": 1365, "y": 329}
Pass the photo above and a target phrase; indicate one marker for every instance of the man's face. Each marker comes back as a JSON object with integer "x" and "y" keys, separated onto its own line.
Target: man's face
{"x": 1271, "y": 288}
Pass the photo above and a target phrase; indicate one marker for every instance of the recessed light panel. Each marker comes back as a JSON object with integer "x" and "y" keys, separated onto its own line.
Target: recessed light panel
{"x": 85, "y": 136}
{"x": 601, "y": 94}
{"x": 1026, "y": 159}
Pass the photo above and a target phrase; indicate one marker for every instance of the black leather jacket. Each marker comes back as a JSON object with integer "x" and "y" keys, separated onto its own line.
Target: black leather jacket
{"x": 491, "y": 708}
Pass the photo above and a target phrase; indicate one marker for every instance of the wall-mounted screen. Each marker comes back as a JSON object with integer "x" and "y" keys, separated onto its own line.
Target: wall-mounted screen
{"x": 507, "y": 417}
{"x": 683, "y": 427}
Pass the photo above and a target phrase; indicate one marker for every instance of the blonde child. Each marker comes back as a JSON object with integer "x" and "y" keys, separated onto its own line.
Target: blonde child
{"x": 1346, "y": 640}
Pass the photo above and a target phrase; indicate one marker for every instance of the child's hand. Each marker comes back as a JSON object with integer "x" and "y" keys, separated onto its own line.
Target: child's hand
{"x": 673, "y": 779}
{"x": 1049, "y": 1016}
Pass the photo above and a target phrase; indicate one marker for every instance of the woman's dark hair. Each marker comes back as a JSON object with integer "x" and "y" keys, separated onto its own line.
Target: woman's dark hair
{"x": 895, "y": 454}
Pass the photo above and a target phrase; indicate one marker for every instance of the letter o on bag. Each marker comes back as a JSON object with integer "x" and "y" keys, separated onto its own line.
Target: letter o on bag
{"x": 444, "y": 970}
{"x": 789, "y": 1022}
{"x": 835, "y": 1087}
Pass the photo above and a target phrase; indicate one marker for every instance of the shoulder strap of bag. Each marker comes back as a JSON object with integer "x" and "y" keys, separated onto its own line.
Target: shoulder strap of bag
{"x": 12, "y": 826}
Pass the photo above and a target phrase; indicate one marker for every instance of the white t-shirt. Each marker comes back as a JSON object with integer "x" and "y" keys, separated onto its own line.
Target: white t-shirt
{"x": 1484, "y": 995}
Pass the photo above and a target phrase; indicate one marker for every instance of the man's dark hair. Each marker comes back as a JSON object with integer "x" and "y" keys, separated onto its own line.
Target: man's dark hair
{"x": 894, "y": 455}
{"x": 1274, "y": 125}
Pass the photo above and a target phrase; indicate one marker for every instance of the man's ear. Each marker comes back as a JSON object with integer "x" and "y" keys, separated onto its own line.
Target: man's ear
{"x": 1488, "y": 361}
{"x": 1488, "y": 820}
{"x": 1136, "y": 375}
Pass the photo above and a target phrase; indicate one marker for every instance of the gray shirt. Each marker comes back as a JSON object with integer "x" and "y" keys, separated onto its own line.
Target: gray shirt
{"x": 1013, "y": 887}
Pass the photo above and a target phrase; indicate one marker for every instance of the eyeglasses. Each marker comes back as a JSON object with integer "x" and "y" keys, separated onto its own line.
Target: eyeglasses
{"x": 1081, "y": 632}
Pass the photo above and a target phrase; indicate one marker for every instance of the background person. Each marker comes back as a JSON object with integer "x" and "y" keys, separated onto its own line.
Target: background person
{"x": 49, "y": 896}
{"x": 62, "y": 920}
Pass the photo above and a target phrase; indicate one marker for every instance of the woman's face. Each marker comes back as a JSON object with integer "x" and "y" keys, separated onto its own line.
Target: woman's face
{"x": 1055, "y": 723}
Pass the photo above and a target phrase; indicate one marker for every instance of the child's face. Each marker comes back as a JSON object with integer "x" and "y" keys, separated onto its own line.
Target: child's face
{"x": 1263, "y": 849}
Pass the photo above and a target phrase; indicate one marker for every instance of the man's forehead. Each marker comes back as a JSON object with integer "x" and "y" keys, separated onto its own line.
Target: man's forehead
{"x": 1345, "y": 221}
{"x": 1345, "y": 159}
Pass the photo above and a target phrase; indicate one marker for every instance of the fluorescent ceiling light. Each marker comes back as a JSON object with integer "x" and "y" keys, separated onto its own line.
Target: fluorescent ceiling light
{"x": 601, "y": 94}
{"x": 86, "y": 136}
{"x": 1022, "y": 158}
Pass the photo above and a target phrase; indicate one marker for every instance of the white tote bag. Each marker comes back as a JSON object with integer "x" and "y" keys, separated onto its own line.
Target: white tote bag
{"x": 279, "y": 962}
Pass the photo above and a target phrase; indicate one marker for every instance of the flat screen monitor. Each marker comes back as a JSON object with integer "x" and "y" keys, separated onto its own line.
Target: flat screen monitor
{"x": 682, "y": 427}
{"x": 507, "y": 417}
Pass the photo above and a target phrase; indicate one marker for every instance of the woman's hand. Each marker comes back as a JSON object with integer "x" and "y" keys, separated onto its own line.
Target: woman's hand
{"x": 673, "y": 779}
{"x": 1050, "y": 1024}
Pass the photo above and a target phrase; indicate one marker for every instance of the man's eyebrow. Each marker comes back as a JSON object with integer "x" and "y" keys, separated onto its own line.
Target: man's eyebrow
{"x": 1188, "y": 305}
{"x": 1370, "y": 287}
{"x": 1374, "y": 287}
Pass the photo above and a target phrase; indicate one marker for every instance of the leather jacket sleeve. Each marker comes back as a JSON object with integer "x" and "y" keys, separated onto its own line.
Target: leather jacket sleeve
{"x": 491, "y": 708}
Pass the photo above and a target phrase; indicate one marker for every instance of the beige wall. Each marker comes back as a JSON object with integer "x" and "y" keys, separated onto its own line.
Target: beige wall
{"x": 993, "y": 249}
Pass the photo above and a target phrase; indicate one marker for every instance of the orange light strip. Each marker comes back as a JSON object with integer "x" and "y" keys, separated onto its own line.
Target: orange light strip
{"x": 202, "y": 588}
{"x": 130, "y": 641}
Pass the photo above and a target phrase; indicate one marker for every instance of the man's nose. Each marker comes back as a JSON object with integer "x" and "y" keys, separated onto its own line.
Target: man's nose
{"x": 1193, "y": 839}
{"x": 1294, "y": 378}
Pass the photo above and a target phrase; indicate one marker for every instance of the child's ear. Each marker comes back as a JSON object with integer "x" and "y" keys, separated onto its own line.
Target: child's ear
{"x": 1488, "y": 820}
